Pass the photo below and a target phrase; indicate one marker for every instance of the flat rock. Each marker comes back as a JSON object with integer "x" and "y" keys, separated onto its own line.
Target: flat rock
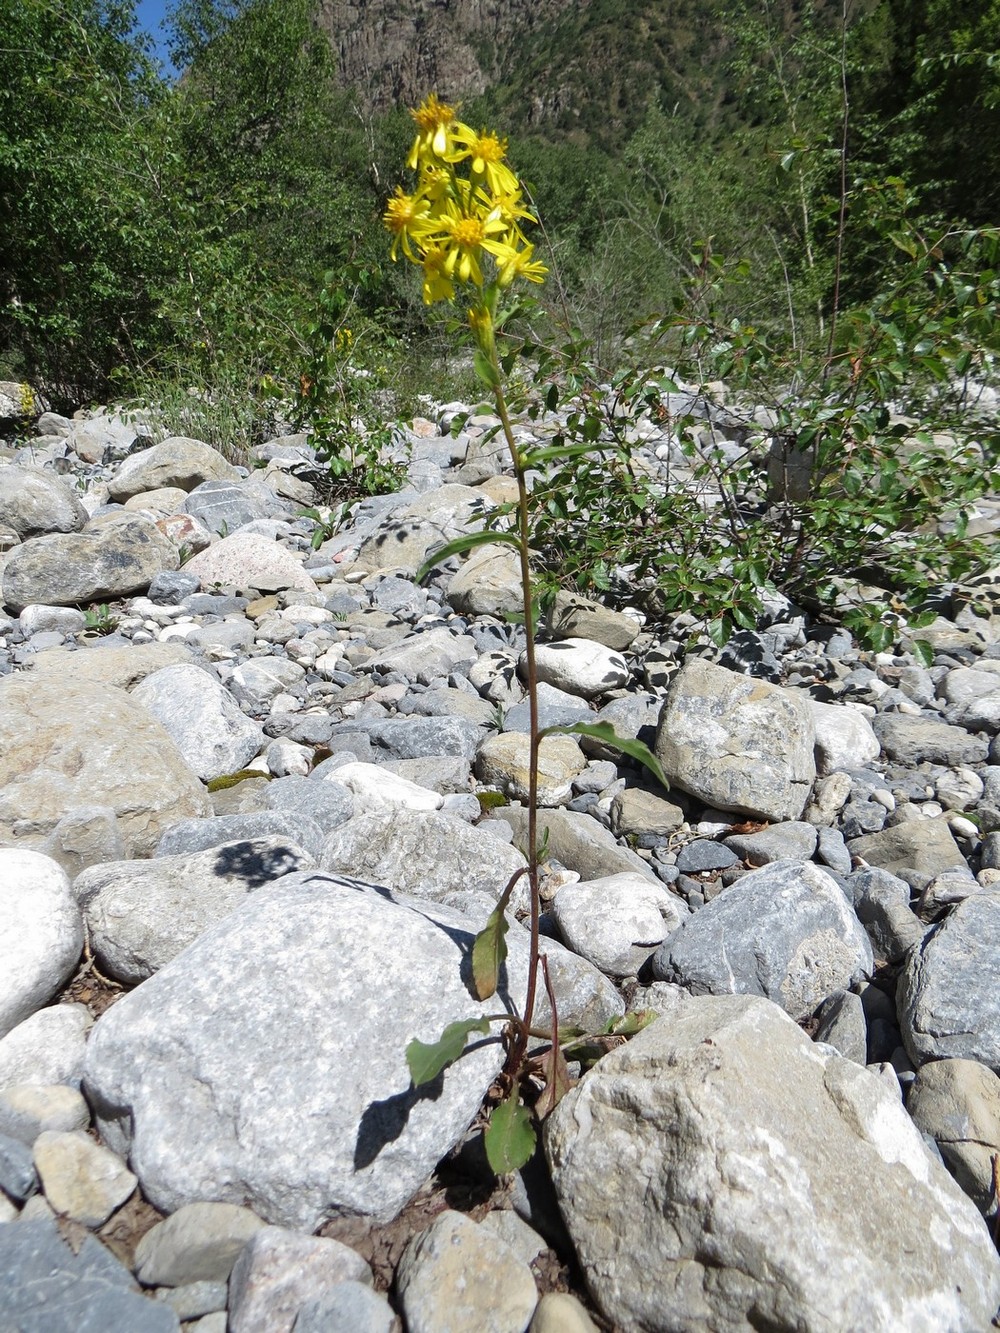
{"x": 198, "y": 1243}
{"x": 66, "y": 743}
{"x": 737, "y": 743}
{"x": 426, "y": 654}
{"x": 575, "y": 617}
{"x": 912, "y": 740}
{"x": 923, "y": 845}
{"x": 708, "y": 1173}
{"x": 177, "y": 461}
{"x": 577, "y": 840}
{"x": 296, "y": 829}
{"x": 246, "y": 560}
{"x": 175, "y": 1068}
{"x": 141, "y": 914}
{"x": 957, "y": 1102}
{"x": 785, "y": 931}
{"x": 949, "y": 1005}
{"x": 116, "y": 559}
{"x": 279, "y": 1271}
{"x": 789, "y": 841}
{"x": 81, "y": 1179}
{"x": 202, "y": 718}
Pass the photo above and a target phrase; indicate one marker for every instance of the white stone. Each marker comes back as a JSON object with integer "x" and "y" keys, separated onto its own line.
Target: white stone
{"x": 579, "y": 666}
{"x": 42, "y": 933}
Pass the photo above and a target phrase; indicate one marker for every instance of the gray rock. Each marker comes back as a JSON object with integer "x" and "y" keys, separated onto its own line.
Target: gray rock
{"x": 140, "y": 914}
{"x": 914, "y": 740}
{"x": 424, "y": 853}
{"x": 580, "y": 666}
{"x": 556, "y": 708}
{"x": 42, "y": 930}
{"x": 457, "y": 1276}
{"x": 577, "y": 841}
{"x": 46, "y": 1048}
{"x": 280, "y": 1271}
{"x": 225, "y": 506}
{"x": 405, "y": 538}
{"x": 86, "y": 836}
{"x": 17, "y": 1169}
{"x": 737, "y": 743}
{"x": 842, "y": 1025}
{"x": 503, "y": 761}
{"x": 790, "y": 841}
{"x": 33, "y": 502}
{"x": 844, "y": 738}
{"x": 426, "y": 654}
{"x": 617, "y": 922}
{"x": 115, "y": 559}
{"x": 705, "y": 855}
{"x": 257, "y": 681}
{"x": 50, "y": 1286}
{"x": 198, "y": 835}
{"x": 575, "y": 617}
{"x": 831, "y": 851}
{"x": 922, "y": 845}
{"x": 200, "y": 1242}
{"x": 949, "y": 1005}
{"x": 488, "y": 584}
{"x": 177, "y": 461}
{"x": 202, "y": 718}
{"x": 196, "y": 1299}
{"x": 559, "y": 1312}
{"x": 957, "y": 1102}
{"x": 350, "y": 1307}
{"x": 698, "y": 1169}
{"x": 401, "y": 598}
{"x": 247, "y": 560}
{"x": 785, "y": 932}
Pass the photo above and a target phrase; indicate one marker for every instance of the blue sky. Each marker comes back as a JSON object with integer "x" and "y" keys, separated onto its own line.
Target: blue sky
{"x": 149, "y": 15}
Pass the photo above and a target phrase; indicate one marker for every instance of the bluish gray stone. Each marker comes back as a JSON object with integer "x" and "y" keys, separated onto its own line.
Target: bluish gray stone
{"x": 316, "y": 800}
{"x": 948, "y": 999}
{"x": 791, "y": 840}
{"x": 202, "y": 718}
{"x": 556, "y": 708}
{"x": 913, "y": 740}
{"x": 17, "y": 1169}
{"x": 51, "y": 1286}
{"x": 224, "y": 506}
{"x": 198, "y": 835}
{"x": 417, "y": 737}
{"x": 704, "y": 854}
{"x": 785, "y": 931}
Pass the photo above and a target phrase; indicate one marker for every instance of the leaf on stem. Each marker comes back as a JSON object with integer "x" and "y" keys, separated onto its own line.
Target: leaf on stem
{"x": 510, "y": 1136}
{"x": 485, "y": 369}
{"x": 489, "y": 950}
{"x": 425, "y": 1060}
{"x": 462, "y": 544}
{"x": 604, "y": 731}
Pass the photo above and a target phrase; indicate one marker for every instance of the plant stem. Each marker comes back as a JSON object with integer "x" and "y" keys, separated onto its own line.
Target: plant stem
{"x": 534, "y": 739}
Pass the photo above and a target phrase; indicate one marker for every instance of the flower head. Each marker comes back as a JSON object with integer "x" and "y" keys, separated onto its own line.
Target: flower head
{"x": 402, "y": 214}
{"x": 433, "y": 119}
{"x": 487, "y": 154}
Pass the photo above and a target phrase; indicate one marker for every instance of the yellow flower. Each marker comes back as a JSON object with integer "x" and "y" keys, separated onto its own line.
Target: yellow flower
{"x": 433, "y": 119}
{"x": 487, "y": 153}
{"x": 438, "y": 286}
{"x": 402, "y": 212}
{"x": 519, "y": 264}
{"x": 465, "y": 232}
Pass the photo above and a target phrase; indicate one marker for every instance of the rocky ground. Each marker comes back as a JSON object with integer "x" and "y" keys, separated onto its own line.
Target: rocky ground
{"x": 208, "y": 984}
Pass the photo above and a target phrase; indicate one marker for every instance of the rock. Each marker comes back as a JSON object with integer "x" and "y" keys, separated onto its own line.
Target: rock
{"x": 844, "y": 738}
{"x": 259, "y": 680}
{"x": 737, "y": 743}
{"x": 197, "y": 1299}
{"x": 579, "y": 666}
{"x": 177, "y": 461}
{"x": 66, "y": 743}
{"x": 225, "y": 506}
{"x": 949, "y": 1006}
{"x": 643, "y": 815}
{"x": 81, "y": 1179}
{"x": 378, "y": 792}
{"x": 165, "y": 500}
{"x": 200, "y": 1242}
{"x": 46, "y": 1048}
{"x": 617, "y": 922}
{"x": 456, "y": 1276}
{"x": 202, "y": 719}
{"x": 785, "y": 932}
{"x": 704, "y": 856}
{"x": 488, "y": 584}
{"x": 140, "y": 914}
{"x": 118, "y": 665}
{"x": 790, "y": 841}
{"x": 912, "y": 740}
{"x": 328, "y": 803}
{"x": 842, "y": 1025}
{"x": 699, "y": 1167}
{"x": 17, "y": 1171}
{"x": 559, "y": 1312}
{"x": 426, "y": 654}
{"x": 957, "y": 1102}
{"x": 556, "y": 708}
{"x": 279, "y": 1271}
{"x": 71, "y": 1288}
{"x": 104, "y": 437}
{"x": 574, "y": 617}
{"x": 295, "y": 830}
{"x": 350, "y": 1307}
{"x": 42, "y": 930}
{"x": 404, "y": 539}
{"x": 503, "y": 761}
{"x": 426, "y": 854}
{"x": 27, "y": 1111}
{"x": 577, "y": 841}
{"x": 33, "y": 502}
{"x": 922, "y": 845}
{"x": 247, "y": 560}
{"x": 116, "y": 559}
{"x": 84, "y": 837}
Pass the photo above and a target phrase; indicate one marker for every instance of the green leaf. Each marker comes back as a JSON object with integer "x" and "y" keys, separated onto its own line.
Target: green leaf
{"x": 486, "y": 370}
{"x": 510, "y": 1135}
{"x": 604, "y": 731}
{"x": 923, "y": 652}
{"x": 425, "y": 1060}
{"x": 490, "y": 947}
{"x": 462, "y": 544}
{"x": 533, "y": 457}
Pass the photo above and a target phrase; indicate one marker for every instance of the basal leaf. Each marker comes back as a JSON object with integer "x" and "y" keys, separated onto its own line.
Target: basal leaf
{"x": 510, "y": 1135}
{"x": 462, "y": 544}
{"x": 489, "y": 952}
{"x": 425, "y": 1060}
{"x": 604, "y": 731}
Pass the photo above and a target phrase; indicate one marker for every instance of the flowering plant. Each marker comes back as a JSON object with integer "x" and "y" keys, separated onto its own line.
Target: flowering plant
{"x": 463, "y": 225}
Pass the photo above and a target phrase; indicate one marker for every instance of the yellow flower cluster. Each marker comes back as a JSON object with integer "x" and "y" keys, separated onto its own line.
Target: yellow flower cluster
{"x": 467, "y": 204}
